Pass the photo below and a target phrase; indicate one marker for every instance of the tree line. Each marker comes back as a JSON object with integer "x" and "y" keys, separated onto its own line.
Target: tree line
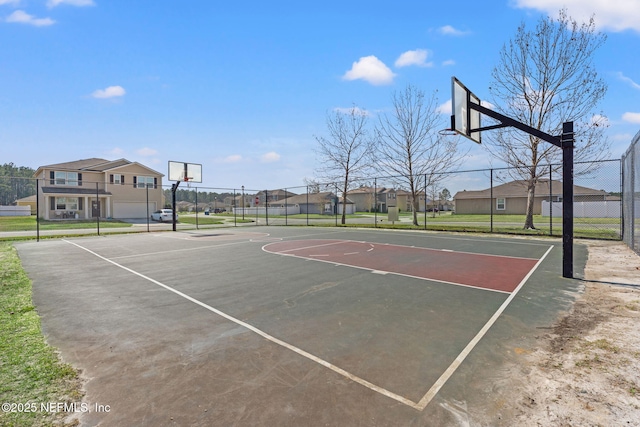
{"x": 14, "y": 184}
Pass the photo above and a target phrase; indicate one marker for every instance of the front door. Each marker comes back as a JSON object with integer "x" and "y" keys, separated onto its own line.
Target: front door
{"x": 95, "y": 208}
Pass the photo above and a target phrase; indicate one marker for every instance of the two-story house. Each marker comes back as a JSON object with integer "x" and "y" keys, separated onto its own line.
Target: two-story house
{"x": 90, "y": 188}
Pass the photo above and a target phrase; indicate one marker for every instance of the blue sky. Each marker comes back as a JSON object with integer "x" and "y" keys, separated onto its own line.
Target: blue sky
{"x": 244, "y": 87}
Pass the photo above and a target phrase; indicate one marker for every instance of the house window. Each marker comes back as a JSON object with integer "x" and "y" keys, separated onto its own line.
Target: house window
{"x": 66, "y": 178}
{"x": 117, "y": 178}
{"x": 145, "y": 182}
{"x": 500, "y": 204}
{"x": 67, "y": 203}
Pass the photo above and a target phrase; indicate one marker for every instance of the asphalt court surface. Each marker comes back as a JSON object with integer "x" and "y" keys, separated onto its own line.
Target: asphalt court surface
{"x": 370, "y": 319}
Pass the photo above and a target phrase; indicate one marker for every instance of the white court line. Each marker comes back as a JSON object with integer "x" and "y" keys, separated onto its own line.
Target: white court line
{"x": 315, "y": 246}
{"x": 181, "y": 250}
{"x": 376, "y": 271}
{"x": 435, "y": 388}
{"x": 426, "y": 399}
{"x": 263, "y": 334}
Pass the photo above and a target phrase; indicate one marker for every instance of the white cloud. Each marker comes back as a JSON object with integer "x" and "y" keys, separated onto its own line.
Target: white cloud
{"x": 448, "y": 30}
{"x": 270, "y": 157}
{"x": 628, "y": 80}
{"x": 370, "y": 69}
{"x": 11, "y": 2}
{"x": 631, "y": 117}
{"x": 146, "y": 152}
{"x": 234, "y": 158}
{"x": 444, "y": 108}
{"x": 616, "y": 15}
{"x": 414, "y": 57}
{"x": 110, "y": 92}
{"x": 448, "y": 63}
{"x": 22, "y": 17}
{"x": 54, "y": 3}
{"x": 117, "y": 151}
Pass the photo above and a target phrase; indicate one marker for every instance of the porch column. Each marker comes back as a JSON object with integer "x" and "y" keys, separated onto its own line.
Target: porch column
{"x": 87, "y": 207}
{"x": 107, "y": 202}
{"x": 47, "y": 204}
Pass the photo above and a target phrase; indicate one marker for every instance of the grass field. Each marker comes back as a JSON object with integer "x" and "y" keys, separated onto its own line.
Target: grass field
{"x": 21, "y": 223}
{"x": 31, "y": 373}
{"x": 595, "y": 228}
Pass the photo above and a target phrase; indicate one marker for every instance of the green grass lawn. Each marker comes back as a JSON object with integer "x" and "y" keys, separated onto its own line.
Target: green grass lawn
{"x": 28, "y": 223}
{"x": 30, "y": 371}
{"x": 202, "y": 220}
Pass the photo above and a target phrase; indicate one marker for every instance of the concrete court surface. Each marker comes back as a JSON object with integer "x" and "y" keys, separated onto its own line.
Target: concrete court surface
{"x": 207, "y": 328}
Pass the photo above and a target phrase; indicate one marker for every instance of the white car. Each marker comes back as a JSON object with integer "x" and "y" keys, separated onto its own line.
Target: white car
{"x": 163, "y": 215}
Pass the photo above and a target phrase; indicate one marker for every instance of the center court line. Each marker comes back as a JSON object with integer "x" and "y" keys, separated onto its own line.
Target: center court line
{"x": 263, "y": 334}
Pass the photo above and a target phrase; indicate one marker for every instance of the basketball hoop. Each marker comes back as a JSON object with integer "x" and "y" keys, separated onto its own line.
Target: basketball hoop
{"x": 447, "y": 132}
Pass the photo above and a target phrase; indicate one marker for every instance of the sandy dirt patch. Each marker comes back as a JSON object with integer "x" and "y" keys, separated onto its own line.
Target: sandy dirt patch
{"x": 586, "y": 368}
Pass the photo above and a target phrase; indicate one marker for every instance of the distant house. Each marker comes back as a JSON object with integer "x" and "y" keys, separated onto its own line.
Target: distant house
{"x": 511, "y": 197}
{"x": 272, "y": 196}
{"x": 28, "y": 201}
{"x": 96, "y": 187}
{"x": 317, "y": 203}
{"x": 367, "y": 199}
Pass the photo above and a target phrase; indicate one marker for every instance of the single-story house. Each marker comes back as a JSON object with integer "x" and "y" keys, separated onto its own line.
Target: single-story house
{"x": 317, "y": 203}
{"x": 511, "y": 198}
{"x": 28, "y": 201}
{"x": 96, "y": 187}
{"x": 272, "y": 196}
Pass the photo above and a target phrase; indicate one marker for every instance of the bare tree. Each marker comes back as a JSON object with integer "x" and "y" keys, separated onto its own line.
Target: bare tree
{"x": 545, "y": 77}
{"x": 346, "y": 154}
{"x": 411, "y": 147}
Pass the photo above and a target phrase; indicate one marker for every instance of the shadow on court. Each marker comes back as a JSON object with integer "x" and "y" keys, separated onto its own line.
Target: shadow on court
{"x": 294, "y": 326}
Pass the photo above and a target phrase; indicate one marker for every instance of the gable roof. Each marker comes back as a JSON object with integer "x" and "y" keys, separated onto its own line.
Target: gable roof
{"x": 94, "y": 164}
{"x": 301, "y": 199}
{"x": 518, "y": 188}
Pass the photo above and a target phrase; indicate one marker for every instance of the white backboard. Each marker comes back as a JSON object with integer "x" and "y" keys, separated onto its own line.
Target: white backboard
{"x": 187, "y": 172}
{"x": 465, "y": 118}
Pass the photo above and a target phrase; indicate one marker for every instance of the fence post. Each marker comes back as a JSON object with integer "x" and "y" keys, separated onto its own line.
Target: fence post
{"x": 375, "y": 202}
{"x": 266, "y": 205}
{"x": 37, "y": 210}
{"x": 336, "y": 204}
{"x": 307, "y": 205}
{"x": 425, "y": 202}
{"x": 98, "y": 207}
{"x": 147, "y": 191}
{"x": 550, "y": 200}
{"x": 197, "y": 225}
{"x": 491, "y": 200}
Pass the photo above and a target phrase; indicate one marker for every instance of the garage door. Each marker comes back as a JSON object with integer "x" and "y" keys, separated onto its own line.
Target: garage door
{"x": 132, "y": 209}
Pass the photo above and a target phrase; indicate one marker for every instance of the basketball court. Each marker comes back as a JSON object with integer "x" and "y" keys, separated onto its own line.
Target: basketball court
{"x": 292, "y": 326}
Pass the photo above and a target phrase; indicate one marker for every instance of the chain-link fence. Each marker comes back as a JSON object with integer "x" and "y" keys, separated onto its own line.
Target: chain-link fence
{"x": 631, "y": 194}
{"x": 488, "y": 200}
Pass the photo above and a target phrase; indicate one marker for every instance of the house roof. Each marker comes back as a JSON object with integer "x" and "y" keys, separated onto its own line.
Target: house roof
{"x": 278, "y": 192}
{"x": 518, "y": 188}
{"x": 301, "y": 199}
{"x": 75, "y": 191}
{"x": 94, "y": 165}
